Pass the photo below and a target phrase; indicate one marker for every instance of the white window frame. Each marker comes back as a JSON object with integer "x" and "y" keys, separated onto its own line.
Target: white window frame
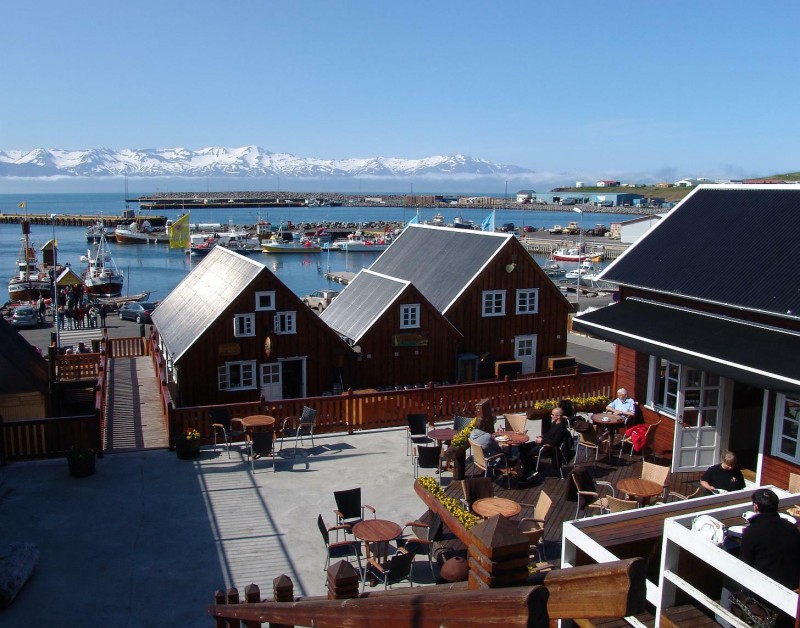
{"x": 285, "y": 323}
{"x": 247, "y": 373}
{"x": 409, "y": 316}
{"x": 653, "y": 378}
{"x": 493, "y": 303}
{"x": 265, "y": 295}
{"x": 244, "y": 325}
{"x": 783, "y": 419}
{"x": 528, "y": 301}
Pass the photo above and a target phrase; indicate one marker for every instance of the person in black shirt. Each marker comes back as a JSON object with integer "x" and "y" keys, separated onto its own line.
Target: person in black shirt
{"x": 724, "y": 476}
{"x": 556, "y": 434}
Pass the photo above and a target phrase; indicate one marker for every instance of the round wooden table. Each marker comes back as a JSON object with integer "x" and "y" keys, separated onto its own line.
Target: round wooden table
{"x": 443, "y": 434}
{"x": 610, "y": 422}
{"x": 249, "y": 423}
{"x": 490, "y": 506}
{"x": 508, "y": 438}
{"x": 379, "y": 532}
{"x": 641, "y": 489}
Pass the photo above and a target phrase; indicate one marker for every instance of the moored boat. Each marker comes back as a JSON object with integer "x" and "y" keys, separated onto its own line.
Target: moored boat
{"x": 101, "y": 277}
{"x": 585, "y": 269}
{"x": 298, "y": 244}
{"x": 575, "y": 254}
{"x": 357, "y": 242}
{"x": 93, "y": 232}
{"x": 140, "y": 233}
{"x": 30, "y": 281}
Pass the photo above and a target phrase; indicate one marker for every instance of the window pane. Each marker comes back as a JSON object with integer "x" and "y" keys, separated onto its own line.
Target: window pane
{"x": 710, "y": 397}
{"x": 710, "y": 417}
{"x": 690, "y": 418}
{"x": 788, "y": 447}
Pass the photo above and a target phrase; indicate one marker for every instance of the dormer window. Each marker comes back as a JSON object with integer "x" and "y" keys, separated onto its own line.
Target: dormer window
{"x": 494, "y": 303}
{"x": 265, "y": 301}
{"x": 409, "y": 316}
{"x": 244, "y": 325}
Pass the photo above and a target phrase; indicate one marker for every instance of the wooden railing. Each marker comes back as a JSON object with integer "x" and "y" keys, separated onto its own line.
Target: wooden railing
{"x": 354, "y": 411}
{"x": 48, "y": 438}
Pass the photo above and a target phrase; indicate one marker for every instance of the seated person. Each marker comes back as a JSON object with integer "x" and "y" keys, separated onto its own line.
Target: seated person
{"x": 623, "y": 405}
{"x": 481, "y": 434}
{"x": 556, "y": 434}
{"x": 724, "y": 476}
{"x": 771, "y": 544}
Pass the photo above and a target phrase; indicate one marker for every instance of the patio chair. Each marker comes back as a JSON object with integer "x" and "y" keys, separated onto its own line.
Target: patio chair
{"x": 558, "y": 457}
{"x": 648, "y": 436}
{"x": 221, "y": 426}
{"x": 396, "y": 569}
{"x": 260, "y": 445}
{"x": 675, "y": 496}
{"x": 516, "y": 421}
{"x": 588, "y": 493}
{"x": 425, "y": 535}
{"x": 301, "y": 426}
{"x": 615, "y": 504}
{"x": 475, "y": 489}
{"x": 349, "y": 509}
{"x": 491, "y": 463}
{"x": 416, "y": 431}
{"x": 340, "y": 549}
{"x": 533, "y": 527}
{"x": 460, "y": 422}
{"x": 656, "y": 473}
{"x": 587, "y": 441}
{"x": 427, "y": 457}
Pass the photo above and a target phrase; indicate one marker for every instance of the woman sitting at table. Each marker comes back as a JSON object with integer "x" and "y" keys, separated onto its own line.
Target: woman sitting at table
{"x": 481, "y": 435}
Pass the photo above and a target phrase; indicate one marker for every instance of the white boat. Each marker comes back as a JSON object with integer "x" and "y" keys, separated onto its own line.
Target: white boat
{"x": 552, "y": 268}
{"x": 93, "y": 232}
{"x": 575, "y": 254}
{"x": 358, "y": 242}
{"x": 437, "y": 221}
{"x": 585, "y": 270}
{"x": 139, "y": 233}
{"x": 101, "y": 277}
{"x": 239, "y": 241}
{"x": 30, "y": 281}
{"x": 298, "y": 244}
{"x": 460, "y": 223}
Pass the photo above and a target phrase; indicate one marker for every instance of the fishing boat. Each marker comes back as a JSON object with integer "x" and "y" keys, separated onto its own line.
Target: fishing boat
{"x": 437, "y": 221}
{"x": 298, "y": 244}
{"x": 358, "y": 242}
{"x": 461, "y": 223}
{"x": 93, "y": 232}
{"x": 140, "y": 233}
{"x": 552, "y": 268}
{"x": 585, "y": 269}
{"x": 575, "y": 254}
{"x": 30, "y": 281}
{"x": 239, "y": 241}
{"x": 101, "y": 277}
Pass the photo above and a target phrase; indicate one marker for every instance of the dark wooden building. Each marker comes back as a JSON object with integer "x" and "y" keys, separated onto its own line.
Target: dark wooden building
{"x": 708, "y": 337}
{"x": 502, "y": 305}
{"x": 24, "y": 378}
{"x": 231, "y": 331}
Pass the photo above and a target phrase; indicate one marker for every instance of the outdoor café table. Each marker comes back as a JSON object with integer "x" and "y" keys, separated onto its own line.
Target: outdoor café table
{"x": 510, "y": 439}
{"x": 491, "y": 506}
{"x": 250, "y": 423}
{"x": 641, "y": 489}
{"x": 442, "y": 434}
{"x": 611, "y": 422}
{"x": 379, "y": 532}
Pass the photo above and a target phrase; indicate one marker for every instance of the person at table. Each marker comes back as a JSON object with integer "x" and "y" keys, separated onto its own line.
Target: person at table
{"x": 623, "y": 405}
{"x": 556, "y": 434}
{"x": 724, "y": 476}
{"x": 771, "y": 544}
{"x": 481, "y": 434}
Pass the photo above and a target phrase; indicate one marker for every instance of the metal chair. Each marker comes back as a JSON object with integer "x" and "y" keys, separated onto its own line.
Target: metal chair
{"x": 589, "y": 493}
{"x": 656, "y": 473}
{"x": 221, "y": 425}
{"x": 427, "y": 457}
{"x": 302, "y": 426}
{"x": 425, "y": 535}
{"x": 394, "y": 570}
{"x": 489, "y": 463}
{"x": 557, "y": 455}
{"x": 340, "y": 549}
{"x": 534, "y": 526}
{"x": 416, "y": 431}
{"x": 516, "y": 421}
{"x": 260, "y": 445}
{"x": 627, "y": 440}
{"x": 587, "y": 440}
{"x": 615, "y": 504}
{"x": 460, "y": 422}
{"x": 349, "y": 509}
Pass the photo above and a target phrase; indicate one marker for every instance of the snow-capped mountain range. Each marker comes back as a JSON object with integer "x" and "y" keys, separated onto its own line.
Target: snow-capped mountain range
{"x": 249, "y": 161}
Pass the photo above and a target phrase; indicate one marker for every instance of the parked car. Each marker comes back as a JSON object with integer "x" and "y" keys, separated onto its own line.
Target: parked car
{"x": 506, "y": 227}
{"x": 138, "y": 311}
{"x": 25, "y": 316}
{"x": 320, "y": 299}
{"x": 529, "y": 229}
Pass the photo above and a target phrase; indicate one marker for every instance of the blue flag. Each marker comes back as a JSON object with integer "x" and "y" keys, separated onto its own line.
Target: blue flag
{"x": 488, "y": 223}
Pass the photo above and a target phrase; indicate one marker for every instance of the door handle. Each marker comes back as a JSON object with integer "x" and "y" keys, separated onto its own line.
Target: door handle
{"x": 680, "y": 419}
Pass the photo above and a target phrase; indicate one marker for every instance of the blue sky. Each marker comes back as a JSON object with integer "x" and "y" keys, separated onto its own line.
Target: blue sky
{"x": 571, "y": 90}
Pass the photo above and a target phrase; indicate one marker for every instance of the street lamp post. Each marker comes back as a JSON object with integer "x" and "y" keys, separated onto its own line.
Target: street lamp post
{"x": 54, "y": 297}
{"x": 580, "y": 263}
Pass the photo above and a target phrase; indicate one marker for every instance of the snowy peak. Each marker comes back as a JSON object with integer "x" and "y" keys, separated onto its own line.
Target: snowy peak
{"x": 246, "y": 161}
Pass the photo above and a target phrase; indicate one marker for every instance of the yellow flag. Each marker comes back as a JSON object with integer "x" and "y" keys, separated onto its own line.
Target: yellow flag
{"x": 22, "y": 205}
{"x": 179, "y": 233}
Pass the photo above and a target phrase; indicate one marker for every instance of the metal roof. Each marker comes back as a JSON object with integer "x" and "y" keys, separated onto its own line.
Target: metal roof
{"x": 441, "y": 262}
{"x": 361, "y": 303}
{"x": 197, "y": 301}
{"x": 733, "y": 245}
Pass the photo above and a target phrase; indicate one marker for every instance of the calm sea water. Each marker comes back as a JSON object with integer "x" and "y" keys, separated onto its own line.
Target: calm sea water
{"x": 158, "y": 269}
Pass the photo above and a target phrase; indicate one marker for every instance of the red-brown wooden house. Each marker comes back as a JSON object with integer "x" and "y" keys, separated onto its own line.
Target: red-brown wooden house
{"x": 708, "y": 328}
{"x": 231, "y": 331}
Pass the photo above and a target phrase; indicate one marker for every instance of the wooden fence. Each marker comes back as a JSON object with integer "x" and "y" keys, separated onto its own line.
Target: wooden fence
{"x": 49, "y": 438}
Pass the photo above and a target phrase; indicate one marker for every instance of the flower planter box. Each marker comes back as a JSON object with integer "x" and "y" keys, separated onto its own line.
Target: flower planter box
{"x": 187, "y": 449}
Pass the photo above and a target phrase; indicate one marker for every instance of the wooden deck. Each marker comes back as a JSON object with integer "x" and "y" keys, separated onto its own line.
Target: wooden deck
{"x": 562, "y": 509}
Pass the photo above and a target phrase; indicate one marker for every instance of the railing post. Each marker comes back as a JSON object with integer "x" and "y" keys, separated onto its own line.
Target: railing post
{"x": 232, "y": 597}
{"x": 219, "y": 600}
{"x": 282, "y": 591}
{"x": 498, "y": 555}
{"x": 343, "y": 581}
{"x": 252, "y": 594}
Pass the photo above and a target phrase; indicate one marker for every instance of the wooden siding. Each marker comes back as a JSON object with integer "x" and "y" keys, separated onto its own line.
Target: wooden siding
{"x": 328, "y": 358}
{"x": 496, "y": 334}
{"x": 776, "y": 471}
{"x": 663, "y": 438}
{"x": 381, "y": 364}
{"x": 23, "y": 405}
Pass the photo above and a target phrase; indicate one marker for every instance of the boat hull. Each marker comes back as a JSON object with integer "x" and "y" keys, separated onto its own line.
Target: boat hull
{"x": 126, "y": 236}
{"x": 100, "y": 288}
{"x": 29, "y": 290}
{"x": 289, "y": 248}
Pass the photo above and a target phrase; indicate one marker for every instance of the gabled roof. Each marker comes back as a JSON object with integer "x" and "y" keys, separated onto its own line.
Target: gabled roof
{"x": 197, "y": 301}
{"x": 731, "y": 245}
{"x": 22, "y": 368}
{"x": 362, "y": 303}
{"x": 441, "y": 262}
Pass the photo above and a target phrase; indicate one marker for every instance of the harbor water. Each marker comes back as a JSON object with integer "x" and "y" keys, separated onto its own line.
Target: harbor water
{"x": 157, "y": 269}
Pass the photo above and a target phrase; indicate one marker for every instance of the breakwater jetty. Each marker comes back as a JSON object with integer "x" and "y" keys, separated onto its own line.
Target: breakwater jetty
{"x": 72, "y": 220}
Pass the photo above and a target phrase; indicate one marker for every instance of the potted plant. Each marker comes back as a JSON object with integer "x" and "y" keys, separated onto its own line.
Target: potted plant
{"x": 541, "y": 409}
{"x": 81, "y": 461}
{"x": 187, "y": 444}
{"x": 456, "y": 453}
